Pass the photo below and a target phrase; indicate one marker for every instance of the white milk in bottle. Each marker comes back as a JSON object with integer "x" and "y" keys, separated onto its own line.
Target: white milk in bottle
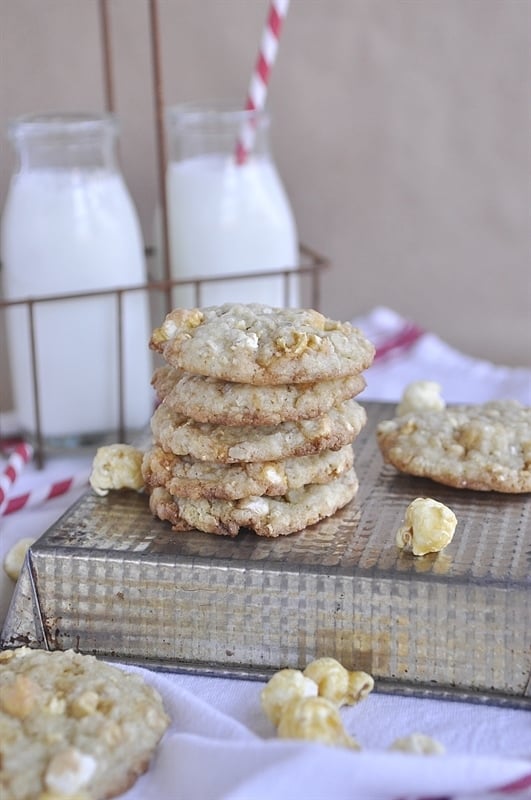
{"x": 225, "y": 217}
{"x": 69, "y": 225}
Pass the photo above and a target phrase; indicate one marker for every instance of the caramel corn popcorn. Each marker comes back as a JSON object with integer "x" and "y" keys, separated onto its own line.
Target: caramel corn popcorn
{"x": 117, "y": 466}
{"x": 428, "y": 527}
{"x": 315, "y": 719}
{"x": 337, "y": 684}
{"x": 285, "y": 686}
{"x": 421, "y": 396}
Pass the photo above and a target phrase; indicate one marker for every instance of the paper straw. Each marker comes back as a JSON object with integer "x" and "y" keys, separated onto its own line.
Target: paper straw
{"x": 257, "y": 92}
{"x": 16, "y": 462}
{"x": 40, "y": 495}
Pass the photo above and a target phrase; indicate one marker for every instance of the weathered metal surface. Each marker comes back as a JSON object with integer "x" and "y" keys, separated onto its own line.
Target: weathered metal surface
{"x": 109, "y": 579}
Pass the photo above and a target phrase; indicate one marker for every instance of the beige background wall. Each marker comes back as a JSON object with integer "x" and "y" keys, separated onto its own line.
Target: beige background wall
{"x": 401, "y": 130}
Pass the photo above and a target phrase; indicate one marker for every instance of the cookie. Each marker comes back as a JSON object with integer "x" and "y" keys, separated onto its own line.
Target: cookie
{"x": 231, "y": 444}
{"x": 164, "y": 379}
{"x": 260, "y": 345}
{"x": 73, "y": 726}
{"x": 163, "y": 506}
{"x": 266, "y": 516}
{"x": 484, "y": 447}
{"x": 225, "y": 403}
{"x": 185, "y": 477}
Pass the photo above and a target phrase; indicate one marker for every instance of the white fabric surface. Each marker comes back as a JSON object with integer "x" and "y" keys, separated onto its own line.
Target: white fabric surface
{"x": 220, "y": 744}
{"x": 463, "y": 379}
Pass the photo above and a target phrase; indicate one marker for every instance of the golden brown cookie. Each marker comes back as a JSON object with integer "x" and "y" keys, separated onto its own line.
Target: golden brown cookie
{"x": 231, "y": 444}
{"x": 227, "y": 403}
{"x": 266, "y": 516}
{"x": 260, "y": 345}
{"x": 185, "y": 477}
{"x": 73, "y": 726}
{"x": 485, "y": 447}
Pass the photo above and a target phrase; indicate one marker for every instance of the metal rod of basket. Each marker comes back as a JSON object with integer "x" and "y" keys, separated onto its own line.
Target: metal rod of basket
{"x": 106, "y": 52}
{"x": 160, "y": 139}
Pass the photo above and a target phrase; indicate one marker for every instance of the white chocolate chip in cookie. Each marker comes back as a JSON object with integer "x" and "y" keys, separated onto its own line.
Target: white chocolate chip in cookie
{"x": 421, "y": 396}
{"x": 68, "y": 771}
{"x": 428, "y": 527}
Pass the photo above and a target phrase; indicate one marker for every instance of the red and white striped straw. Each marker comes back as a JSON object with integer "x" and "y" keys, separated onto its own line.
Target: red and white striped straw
{"x": 257, "y": 92}
{"x": 41, "y": 494}
{"x": 16, "y": 462}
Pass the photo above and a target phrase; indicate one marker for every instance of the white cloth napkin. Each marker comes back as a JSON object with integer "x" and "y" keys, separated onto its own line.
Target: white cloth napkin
{"x": 406, "y": 353}
{"x": 225, "y": 749}
{"x": 220, "y": 745}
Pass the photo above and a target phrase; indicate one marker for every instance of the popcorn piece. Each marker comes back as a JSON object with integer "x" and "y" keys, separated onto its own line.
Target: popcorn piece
{"x": 14, "y": 558}
{"x": 418, "y": 744}
{"x": 421, "y": 396}
{"x": 337, "y": 684}
{"x": 6, "y": 655}
{"x": 19, "y": 697}
{"x": 315, "y": 719}
{"x": 117, "y": 466}
{"x": 84, "y": 704}
{"x": 18, "y": 652}
{"x": 285, "y": 686}
{"x": 68, "y": 771}
{"x": 111, "y": 733}
{"x": 428, "y": 527}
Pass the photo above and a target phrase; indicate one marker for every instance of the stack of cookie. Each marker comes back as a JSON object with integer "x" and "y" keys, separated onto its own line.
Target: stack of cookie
{"x": 256, "y": 418}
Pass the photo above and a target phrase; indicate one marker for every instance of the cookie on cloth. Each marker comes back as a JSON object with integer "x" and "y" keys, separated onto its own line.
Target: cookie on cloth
{"x": 73, "y": 726}
{"x": 485, "y": 447}
{"x": 226, "y": 403}
{"x": 184, "y": 477}
{"x": 230, "y": 444}
{"x": 261, "y": 345}
{"x": 266, "y": 516}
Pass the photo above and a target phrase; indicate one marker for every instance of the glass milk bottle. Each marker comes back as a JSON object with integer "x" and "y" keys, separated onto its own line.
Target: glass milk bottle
{"x": 69, "y": 226}
{"x": 226, "y": 217}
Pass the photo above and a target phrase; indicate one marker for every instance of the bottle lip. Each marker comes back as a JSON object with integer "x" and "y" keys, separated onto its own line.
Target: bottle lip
{"x": 214, "y": 113}
{"x": 62, "y": 123}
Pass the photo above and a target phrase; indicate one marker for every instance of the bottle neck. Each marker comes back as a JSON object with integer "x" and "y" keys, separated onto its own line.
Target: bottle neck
{"x": 197, "y": 130}
{"x": 65, "y": 142}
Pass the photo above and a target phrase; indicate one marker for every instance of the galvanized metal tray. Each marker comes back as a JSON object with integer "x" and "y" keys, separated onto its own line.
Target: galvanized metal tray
{"x": 109, "y": 579}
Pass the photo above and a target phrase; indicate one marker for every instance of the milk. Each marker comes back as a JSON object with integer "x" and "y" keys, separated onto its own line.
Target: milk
{"x": 224, "y": 219}
{"x": 67, "y": 231}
